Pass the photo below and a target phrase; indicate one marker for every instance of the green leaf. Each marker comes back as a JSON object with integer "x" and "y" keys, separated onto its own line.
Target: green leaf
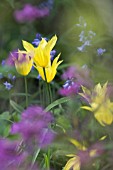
{"x": 57, "y": 102}
{"x": 5, "y": 115}
{"x": 17, "y": 107}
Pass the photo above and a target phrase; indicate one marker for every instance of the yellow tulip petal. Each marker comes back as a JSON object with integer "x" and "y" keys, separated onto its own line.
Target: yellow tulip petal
{"x": 77, "y": 144}
{"x": 40, "y": 58}
{"x": 28, "y": 46}
{"x": 73, "y": 163}
{"x": 87, "y": 108}
{"x": 51, "y": 43}
{"x": 103, "y": 137}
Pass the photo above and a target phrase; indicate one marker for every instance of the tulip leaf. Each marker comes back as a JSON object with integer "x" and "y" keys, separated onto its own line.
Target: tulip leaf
{"x": 57, "y": 102}
{"x": 15, "y": 106}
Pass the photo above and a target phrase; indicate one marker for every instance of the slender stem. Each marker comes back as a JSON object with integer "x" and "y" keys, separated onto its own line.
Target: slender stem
{"x": 50, "y": 93}
{"x": 26, "y": 91}
{"x": 47, "y": 86}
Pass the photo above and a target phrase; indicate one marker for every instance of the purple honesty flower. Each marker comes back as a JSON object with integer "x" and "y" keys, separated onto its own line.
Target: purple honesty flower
{"x": 80, "y": 74}
{"x": 8, "y": 86}
{"x": 9, "y": 155}
{"x": 100, "y": 51}
{"x": 30, "y": 13}
{"x": 69, "y": 73}
{"x": 69, "y": 88}
{"x": 33, "y": 126}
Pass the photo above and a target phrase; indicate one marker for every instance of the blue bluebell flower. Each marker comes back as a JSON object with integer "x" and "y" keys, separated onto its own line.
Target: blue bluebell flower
{"x": 52, "y": 53}
{"x": 3, "y": 62}
{"x": 39, "y": 77}
{"x": 100, "y": 51}
{"x": 85, "y": 36}
{"x": 11, "y": 77}
{"x": 8, "y": 86}
{"x": 48, "y": 4}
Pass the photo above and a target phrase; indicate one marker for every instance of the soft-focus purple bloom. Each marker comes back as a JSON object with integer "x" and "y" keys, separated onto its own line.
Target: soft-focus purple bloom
{"x": 9, "y": 155}
{"x": 91, "y": 153}
{"x": 69, "y": 73}
{"x": 77, "y": 76}
{"x": 100, "y": 51}
{"x": 34, "y": 121}
{"x": 10, "y": 61}
{"x": 8, "y": 86}
{"x": 30, "y": 13}
{"x": 47, "y": 137}
{"x": 69, "y": 88}
{"x": 110, "y": 90}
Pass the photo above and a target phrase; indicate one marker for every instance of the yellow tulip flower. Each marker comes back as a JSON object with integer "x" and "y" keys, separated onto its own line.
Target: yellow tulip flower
{"x": 73, "y": 163}
{"x": 23, "y": 63}
{"x": 42, "y": 56}
{"x": 100, "y": 104}
{"x": 50, "y": 71}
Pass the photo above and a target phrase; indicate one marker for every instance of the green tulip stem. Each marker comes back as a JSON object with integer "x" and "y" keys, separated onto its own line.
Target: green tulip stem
{"x": 48, "y": 87}
{"x": 26, "y": 91}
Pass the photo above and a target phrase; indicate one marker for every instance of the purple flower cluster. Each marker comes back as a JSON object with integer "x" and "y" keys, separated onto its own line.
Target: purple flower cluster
{"x": 75, "y": 77}
{"x": 69, "y": 88}
{"x": 33, "y": 126}
{"x": 9, "y": 155}
{"x": 30, "y": 13}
